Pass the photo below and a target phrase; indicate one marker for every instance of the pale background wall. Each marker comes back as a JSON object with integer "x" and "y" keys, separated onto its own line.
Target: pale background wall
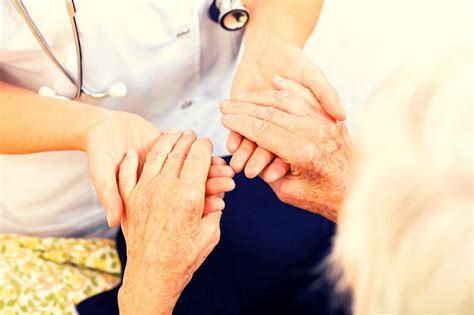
{"x": 358, "y": 42}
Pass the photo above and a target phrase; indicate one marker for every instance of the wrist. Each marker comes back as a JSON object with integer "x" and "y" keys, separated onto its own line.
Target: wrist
{"x": 88, "y": 117}
{"x": 150, "y": 289}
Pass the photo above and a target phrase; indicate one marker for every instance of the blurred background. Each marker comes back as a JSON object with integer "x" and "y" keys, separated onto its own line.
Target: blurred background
{"x": 357, "y": 43}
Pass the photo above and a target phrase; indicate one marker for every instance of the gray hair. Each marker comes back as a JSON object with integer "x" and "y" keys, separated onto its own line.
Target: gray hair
{"x": 405, "y": 239}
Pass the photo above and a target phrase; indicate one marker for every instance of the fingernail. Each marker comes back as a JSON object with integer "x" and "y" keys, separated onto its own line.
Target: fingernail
{"x": 174, "y": 131}
{"x": 188, "y": 132}
{"x": 109, "y": 218}
{"x": 277, "y": 79}
{"x": 224, "y": 104}
{"x": 343, "y": 112}
{"x": 271, "y": 177}
{"x": 221, "y": 204}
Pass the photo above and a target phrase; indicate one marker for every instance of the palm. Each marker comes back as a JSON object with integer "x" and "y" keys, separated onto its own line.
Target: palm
{"x": 107, "y": 144}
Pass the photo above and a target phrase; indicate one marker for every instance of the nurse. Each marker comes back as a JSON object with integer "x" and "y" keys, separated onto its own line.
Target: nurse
{"x": 176, "y": 64}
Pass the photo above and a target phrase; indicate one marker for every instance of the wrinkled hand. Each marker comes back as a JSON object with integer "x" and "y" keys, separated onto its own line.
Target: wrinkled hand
{"x": 107, "y": 143}
{"x": 168, "y": 234}
{"x": 254, "y": 73}
{"x": 316, "y": 147}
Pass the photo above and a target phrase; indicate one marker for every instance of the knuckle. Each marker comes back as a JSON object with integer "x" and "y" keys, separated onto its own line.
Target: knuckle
{"x": 156, "y": 156}
{"x": 283, "y": 97}
{"x": 177, "y": 154}
{"x": 259, "y": 127}
{"x": 266, "y": 113}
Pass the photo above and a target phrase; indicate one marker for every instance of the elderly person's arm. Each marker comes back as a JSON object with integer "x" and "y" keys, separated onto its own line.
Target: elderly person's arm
{"x": 316, "y": 147}
{"x": 167, "y": 230}
{"x": 273, "y": 44}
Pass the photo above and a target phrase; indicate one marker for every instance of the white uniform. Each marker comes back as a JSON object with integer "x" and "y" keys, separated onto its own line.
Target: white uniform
{"x": 175, "y": 61}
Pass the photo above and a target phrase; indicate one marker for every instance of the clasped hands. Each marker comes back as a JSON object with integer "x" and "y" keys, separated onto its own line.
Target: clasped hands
{"x": 287, "y": 133}
{"x": 171, "y": 222}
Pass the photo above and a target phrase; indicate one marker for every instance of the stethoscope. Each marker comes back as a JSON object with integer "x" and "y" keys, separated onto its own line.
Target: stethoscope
{"x": 230, "y": 14}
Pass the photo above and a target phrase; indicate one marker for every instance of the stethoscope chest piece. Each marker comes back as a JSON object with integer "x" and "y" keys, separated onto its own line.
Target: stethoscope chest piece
{"x": 230, "y": 14}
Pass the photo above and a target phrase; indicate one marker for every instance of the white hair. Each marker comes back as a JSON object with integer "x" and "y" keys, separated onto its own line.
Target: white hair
{"x": 405, "y": 239}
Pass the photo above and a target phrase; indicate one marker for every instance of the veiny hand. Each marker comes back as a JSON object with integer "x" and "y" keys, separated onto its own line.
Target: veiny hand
{"x": 107, "y": 143}
{"x": 316, "y": 147}
{"x": 255, "y": 73}
{"x": 168, "y": 234}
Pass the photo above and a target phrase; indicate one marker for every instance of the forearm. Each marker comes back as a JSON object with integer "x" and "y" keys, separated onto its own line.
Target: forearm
{"x": 33, "y": 123}
{"x": 289, "y": 20}
{"x": 146, "y": 291}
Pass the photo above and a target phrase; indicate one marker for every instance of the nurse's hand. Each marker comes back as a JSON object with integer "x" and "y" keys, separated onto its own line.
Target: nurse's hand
{"x": 255, "y": 73}
{"x": 316, "y": 147}
{"x": 168, "y": 234}
{"x": 108, "y": 141}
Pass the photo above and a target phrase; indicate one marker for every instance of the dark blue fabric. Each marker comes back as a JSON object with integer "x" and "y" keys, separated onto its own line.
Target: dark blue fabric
{"x": 265, "y": 263}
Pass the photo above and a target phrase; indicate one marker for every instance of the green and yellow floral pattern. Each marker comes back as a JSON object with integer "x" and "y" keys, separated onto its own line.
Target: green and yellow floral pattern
{"x": 51, "y": 275}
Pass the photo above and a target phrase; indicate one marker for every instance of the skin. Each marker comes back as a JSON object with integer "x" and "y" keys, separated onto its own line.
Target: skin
{"x": 274, "y": 40}
{"x": 33, "y": 123}
{"x": 165, "y": 225}
{"x": 317, "y": 148}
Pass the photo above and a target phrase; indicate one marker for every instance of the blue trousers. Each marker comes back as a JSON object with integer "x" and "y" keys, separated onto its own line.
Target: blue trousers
{"x": 268, "y": 261}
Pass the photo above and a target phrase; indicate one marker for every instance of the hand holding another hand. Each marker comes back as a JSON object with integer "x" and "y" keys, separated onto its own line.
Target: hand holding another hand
{"x": 112, "y": 137}
{"x": 167, "y": 229}
{"x": 255, "y": 73}
{"x": 316, "y": 147}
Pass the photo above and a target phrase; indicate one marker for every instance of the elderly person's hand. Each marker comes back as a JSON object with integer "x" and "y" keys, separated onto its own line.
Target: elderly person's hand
{"x": 316, "y": 147}
{"x": 167, "y": 231}
{"x": 255, "y": 73}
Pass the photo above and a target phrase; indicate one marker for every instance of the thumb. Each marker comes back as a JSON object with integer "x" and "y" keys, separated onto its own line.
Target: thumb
{"x": 128, "y": 174}
{"x": 103, "y": 175}
{"x": 311, "y": 77}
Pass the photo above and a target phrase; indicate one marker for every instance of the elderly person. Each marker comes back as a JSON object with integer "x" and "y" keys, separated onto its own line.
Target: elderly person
{"x": 395, "y": 247}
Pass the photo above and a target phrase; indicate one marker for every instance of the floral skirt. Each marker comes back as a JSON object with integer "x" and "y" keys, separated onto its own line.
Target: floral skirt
{"x": 52, "y": 275}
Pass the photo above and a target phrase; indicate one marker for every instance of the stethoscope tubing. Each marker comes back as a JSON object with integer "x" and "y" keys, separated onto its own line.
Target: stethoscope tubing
{"x": 78, "y": 82}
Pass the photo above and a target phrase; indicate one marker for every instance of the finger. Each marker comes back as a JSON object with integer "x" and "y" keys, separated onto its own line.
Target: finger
{"x": 271, "y": 114}
{"x": 273, "y": 138}
{"x": 285, "y": 100}
{"x": 128, "y": 174}
{"x": 197, "y": 164}
{"x": 312, "y": 78}
{"x": 257, "y": 162}
{"x": 175, "y": 161}
{"x": 103, "y": 174}
{"x": 215, "y": 186}
{"x": 158, "y": 154}
{"x": 213, "y": 204}
{"x": 284, "y": 84}
{"x": 233, "y": 141}
{"x": 242, "y": 155}
{"x": 275, "y": 171}
{"x": 221, "y": 171}
{"x": 216, "y": 160}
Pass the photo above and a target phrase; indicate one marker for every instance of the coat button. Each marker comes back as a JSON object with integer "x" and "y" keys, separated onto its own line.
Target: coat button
{"x": 186, "y": 104}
